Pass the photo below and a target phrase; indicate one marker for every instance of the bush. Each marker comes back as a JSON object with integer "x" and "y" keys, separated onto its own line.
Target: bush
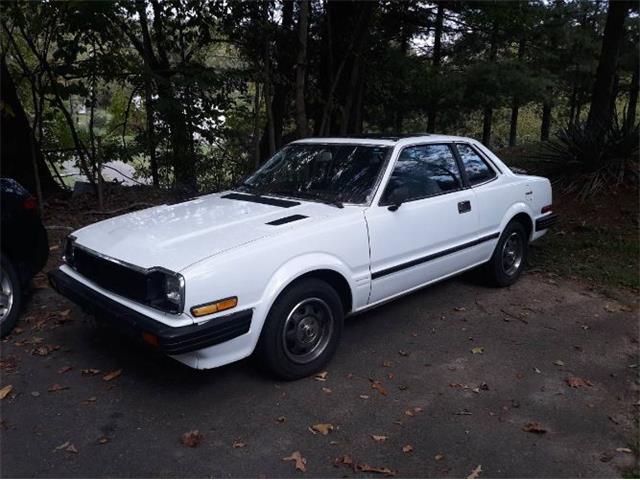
{"x": 584, "y": 163}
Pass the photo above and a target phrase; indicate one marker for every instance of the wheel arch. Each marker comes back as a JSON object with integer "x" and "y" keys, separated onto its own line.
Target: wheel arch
{"x": 519, "y": 212}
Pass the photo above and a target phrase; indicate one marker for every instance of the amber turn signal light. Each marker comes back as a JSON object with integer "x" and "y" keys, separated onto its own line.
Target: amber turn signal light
{"x": 151, "y": 339}
{"x": 214, "y": 307}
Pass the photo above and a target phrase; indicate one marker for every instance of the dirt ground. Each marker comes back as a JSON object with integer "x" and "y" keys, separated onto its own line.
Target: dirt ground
{"x": 537, "y": 380}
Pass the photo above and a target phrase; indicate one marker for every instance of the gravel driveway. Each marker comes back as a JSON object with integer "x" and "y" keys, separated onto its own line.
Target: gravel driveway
{"x": 447, "y": 379}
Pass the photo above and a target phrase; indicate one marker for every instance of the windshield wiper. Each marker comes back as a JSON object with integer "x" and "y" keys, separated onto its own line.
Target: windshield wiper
{"x": 319, "y": 197}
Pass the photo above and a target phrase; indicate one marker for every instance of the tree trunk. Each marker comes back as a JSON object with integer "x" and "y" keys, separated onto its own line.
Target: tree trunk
{"x": 545, "y": 128}
{"x": 437, "y": 59}
{"x": 301, "y": 66}
{"x": 16, "y": 157}
{"x": 487, "y": 117}
{"x": 630, "y": 119}
{"x": 600, "y": 111}
{"x": 151, "y": 136}
{"x": 256, "y": 126}
{"x": 515, "y": 105}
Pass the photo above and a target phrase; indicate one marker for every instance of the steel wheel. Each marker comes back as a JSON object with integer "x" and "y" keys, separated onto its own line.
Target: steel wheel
{"x": 512, "y": 254}
{"x": 307, "y": 330}
{"x": 6, "y": 295}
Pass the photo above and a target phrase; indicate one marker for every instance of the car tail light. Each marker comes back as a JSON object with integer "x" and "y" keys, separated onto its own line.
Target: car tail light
{"x": 546, "y": 209}
{"x": 30, "y": 204}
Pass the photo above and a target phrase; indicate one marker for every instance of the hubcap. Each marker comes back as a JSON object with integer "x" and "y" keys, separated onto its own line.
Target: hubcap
{"x": 512, "y": 254}
{"x": 6, "y": 295}
{"x": 307, "y": 330}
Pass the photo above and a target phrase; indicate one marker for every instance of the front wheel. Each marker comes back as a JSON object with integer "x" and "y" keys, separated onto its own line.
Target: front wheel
{"x": 10, "y": 296}
{"x": 302, "y": 331}
{"x": 507, "y": 263}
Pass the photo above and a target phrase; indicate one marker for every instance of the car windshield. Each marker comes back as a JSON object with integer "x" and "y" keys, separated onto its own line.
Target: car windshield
{"x": 333, "y": 173}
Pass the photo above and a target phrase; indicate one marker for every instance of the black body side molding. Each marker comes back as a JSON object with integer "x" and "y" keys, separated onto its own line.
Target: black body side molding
{"x": 433, "y": 256}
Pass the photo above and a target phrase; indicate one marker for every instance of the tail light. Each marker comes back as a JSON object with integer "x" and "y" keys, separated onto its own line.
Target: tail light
{"x": 30, "y": 204}
{"x": 546, "y": 209}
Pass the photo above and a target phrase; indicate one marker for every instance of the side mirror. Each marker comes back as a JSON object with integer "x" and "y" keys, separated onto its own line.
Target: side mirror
{"x": 396, "y": 196}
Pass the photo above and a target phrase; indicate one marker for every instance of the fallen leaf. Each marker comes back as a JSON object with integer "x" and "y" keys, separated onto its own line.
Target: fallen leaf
{"x": 71, "y": 449}
{"x": 6, "y": 390}
{"x": 407, "y": 449}
{"x": 403, "y": 353}
{"x": 343, "y": 460}
{"x": 89, "y": 401}
{"x": 390, "y": 376}
{"x": 103, "y": 440}
{"x": 537, "y": 370}
{"x": 321, "y": 428}
{"x": 239, "y": 444}
{"x": 89, "y": 371}
{"x": 624, "y": 450}
{"x": 477, "y": 350}
{"x": 63, "y": 446}
{"x": 281, "y": 419}
{"x": 57, "y": 387}
{"x": 379, "y": 438}
{"x": 65, "y": 369}
{"x": 413, "y": 411}
{"x": 321, "y": 377}
{"x": 111, "y": 375}
{"x": 378, "y": 386}
{"x": 559, "y": 363}
{"x": 577, "y": 382}
{"x": 534, "y": 427}
{"x": 459, "y": 309}
{"x": 438, "y": 457}
{"x": 475, "y": 473}
{"x": 363, "y": 467}
{"x": 387, "y": 364}
{"x": 364, "y": 397}
{"x": 301, "y": 462}
{"x": 191, "y": 439}
{"x": 326, "y": 390}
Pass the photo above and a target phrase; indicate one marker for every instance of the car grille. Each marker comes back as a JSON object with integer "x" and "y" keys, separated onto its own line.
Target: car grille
{"x": 111, "y": 276}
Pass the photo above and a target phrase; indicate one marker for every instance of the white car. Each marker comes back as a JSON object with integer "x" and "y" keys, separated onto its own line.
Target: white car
{"x": 327, "y": 228}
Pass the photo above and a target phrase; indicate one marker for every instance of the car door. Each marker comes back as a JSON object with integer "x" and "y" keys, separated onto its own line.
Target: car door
{"x": 425, "y": 224}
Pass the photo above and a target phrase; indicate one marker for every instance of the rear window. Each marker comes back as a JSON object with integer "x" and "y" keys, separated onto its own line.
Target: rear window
{"x": 478, "y": 171}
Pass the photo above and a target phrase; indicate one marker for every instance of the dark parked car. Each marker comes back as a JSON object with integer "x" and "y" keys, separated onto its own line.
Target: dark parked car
{"x": 24, "y": 249}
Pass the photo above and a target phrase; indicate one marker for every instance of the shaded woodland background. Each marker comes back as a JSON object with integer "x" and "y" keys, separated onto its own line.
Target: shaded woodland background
{"x": 194, "y": 94}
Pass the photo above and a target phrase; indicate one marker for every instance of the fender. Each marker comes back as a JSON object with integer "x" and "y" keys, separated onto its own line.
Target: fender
{"x": 515, "y": 209}
{"x": 296, "y": 268}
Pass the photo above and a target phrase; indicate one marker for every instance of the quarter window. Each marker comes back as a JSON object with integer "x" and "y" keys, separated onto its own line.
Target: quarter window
{"x": 475, "y": 167}
{"x": 422, "y": 171}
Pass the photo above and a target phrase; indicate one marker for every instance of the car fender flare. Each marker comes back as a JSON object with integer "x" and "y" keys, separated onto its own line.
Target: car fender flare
{"x": 293, "y": 269}
{"x": 513, "y": 211}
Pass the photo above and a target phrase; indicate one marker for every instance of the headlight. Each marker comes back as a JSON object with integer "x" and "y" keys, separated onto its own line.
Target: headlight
{"x": 166, "y": 290}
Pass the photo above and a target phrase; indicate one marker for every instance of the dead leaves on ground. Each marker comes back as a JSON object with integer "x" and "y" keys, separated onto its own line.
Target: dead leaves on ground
{"x": 577, "y": 382}
{"x": 412, "y": 412}
{"x": 321, "y": 377}
{"x": 300, "y": 461}
{"x": 348, "y": 461}
{"x": 191, "y": 439}
{"x": 6, "y": 390}
{"x": 89, "y": 371}
{"x": 407, "y": 448}
{"x": 112, "y": 375}
{"x": 379, "y": 438}
{"x": 376, "y": 385}
{"x": 321, "y": 428}
{"x": 67, "y": 447}
{"x": 534, "y": 427}
{"x": 238, "y": 444}
{"x": 475, "y": 473}
{"x": 57, "y": 388}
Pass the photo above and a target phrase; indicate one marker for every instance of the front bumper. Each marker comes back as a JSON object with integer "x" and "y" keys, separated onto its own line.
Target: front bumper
{"x": 170, "y": 340}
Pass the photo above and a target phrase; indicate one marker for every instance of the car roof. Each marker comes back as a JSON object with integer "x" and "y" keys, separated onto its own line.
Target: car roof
{"x": 386, "y": 139}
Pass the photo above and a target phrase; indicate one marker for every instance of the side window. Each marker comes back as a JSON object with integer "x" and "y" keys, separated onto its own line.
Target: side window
{"x": 476, "y": 168}
{"x": 422, "y": 171}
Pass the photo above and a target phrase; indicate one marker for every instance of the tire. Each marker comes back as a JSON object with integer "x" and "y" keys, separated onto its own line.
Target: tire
{"x": 509, "y": 257}
{"x": 10, "y": 296}
{"x": 307, "y": 315}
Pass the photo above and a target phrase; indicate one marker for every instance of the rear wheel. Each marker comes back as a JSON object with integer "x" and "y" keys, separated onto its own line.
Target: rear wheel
{"x": 507, "y": 263}
{"x": 10, "y": 296}
{"x": 302, "y": 331}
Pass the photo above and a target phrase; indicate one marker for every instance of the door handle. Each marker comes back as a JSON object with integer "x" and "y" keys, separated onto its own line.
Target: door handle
{"x": 464, "y": 207}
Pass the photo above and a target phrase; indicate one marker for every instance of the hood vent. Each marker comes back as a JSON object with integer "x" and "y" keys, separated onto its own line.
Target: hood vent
{"x": 289, "y": 219}
{"x": 276, "y": 202}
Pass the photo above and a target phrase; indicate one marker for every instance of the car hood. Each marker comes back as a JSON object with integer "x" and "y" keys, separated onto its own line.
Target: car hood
{"x": 177, "y": 236}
